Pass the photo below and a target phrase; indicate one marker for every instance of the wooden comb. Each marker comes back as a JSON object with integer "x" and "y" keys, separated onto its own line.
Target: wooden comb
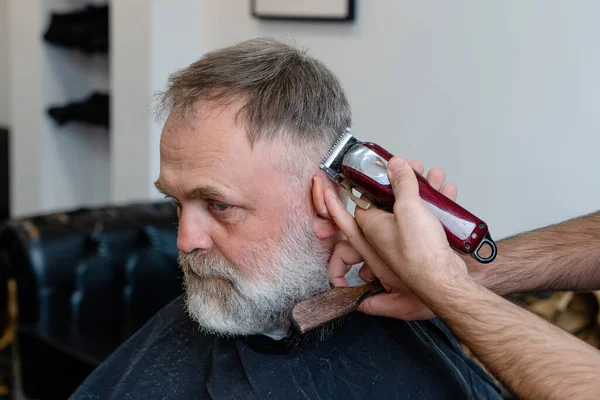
{"x": 329, "y": 306}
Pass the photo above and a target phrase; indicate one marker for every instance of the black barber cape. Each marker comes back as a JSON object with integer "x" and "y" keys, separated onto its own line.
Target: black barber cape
{"x": 365, "y": 358}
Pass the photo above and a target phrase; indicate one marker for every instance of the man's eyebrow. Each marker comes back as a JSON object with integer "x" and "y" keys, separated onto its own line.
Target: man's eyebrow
{"x": 204, "y": 192}
{"x": 201, "y": 192}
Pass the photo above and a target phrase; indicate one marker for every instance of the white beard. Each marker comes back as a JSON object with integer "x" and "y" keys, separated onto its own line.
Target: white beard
{"x": 258, "y": 298}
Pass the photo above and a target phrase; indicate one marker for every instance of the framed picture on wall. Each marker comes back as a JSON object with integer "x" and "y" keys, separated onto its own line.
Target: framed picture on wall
{"x": 305, "y": 10}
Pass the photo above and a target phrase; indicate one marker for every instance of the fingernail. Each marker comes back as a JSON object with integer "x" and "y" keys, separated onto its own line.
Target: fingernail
{"x": 396, "y": 164}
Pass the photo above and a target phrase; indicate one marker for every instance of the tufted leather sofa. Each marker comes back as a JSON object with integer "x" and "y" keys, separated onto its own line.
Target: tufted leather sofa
{"x": 86, "y": 280}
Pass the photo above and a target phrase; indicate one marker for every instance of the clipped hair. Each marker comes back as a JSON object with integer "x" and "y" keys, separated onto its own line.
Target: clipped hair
{"x": 286, "y": 93}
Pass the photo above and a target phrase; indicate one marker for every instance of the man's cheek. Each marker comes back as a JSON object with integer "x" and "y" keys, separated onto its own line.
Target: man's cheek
{"x": 251, "y": 241}
{"x": 255, "y": 255}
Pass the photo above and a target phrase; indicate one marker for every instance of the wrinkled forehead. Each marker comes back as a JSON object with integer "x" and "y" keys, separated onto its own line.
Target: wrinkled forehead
{"x": 217, "y": 136}
{"x": 213, "y": 148}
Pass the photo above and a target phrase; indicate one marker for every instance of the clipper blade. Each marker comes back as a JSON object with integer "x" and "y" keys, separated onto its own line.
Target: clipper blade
{"x": 332, "y": 163}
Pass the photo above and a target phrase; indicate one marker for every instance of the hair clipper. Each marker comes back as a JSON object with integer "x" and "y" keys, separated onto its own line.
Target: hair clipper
{"x": 362, "y": 167}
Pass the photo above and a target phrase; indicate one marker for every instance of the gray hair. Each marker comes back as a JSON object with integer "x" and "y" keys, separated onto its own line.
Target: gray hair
{"x": 288, "y": 95}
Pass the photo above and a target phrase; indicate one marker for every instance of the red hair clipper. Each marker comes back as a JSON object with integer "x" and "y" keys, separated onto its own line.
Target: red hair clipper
{"x": 362, "y": 166}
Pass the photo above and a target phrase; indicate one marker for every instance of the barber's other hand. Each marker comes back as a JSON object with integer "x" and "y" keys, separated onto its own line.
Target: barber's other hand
{"x": 411, "y": 241}
{"x": 399, "y": 301}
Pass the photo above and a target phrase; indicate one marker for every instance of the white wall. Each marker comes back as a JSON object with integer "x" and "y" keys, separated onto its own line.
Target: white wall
{"x": 4, "y": 103}
{"x": 503, "y": 95}
{"x": 130, "y": 80}
{"x": 25, "y": 90}
{"x": 177, "y": 40}
{"x": 151, "y": 40}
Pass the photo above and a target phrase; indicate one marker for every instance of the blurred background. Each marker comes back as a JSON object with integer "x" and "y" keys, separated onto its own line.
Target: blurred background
{"x": 503, "y": 95}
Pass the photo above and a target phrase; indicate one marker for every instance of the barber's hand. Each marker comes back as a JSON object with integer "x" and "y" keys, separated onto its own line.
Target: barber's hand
{"x": 399, "y": 301}
{"x": 412, "y": 241}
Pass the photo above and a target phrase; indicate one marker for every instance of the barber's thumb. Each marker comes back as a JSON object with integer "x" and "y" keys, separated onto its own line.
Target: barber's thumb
{"x": 402, "y": 178}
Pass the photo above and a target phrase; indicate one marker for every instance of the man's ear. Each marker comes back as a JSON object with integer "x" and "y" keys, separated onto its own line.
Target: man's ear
{"x": 322, "y": 223}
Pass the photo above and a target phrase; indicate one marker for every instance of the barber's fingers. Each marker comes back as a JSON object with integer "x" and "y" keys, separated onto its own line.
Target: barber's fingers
{"x": 345, "y": 221}
{"x": 384, "y": 230}
{"x": 418, "y": 166}
{"x": 347, "y": 224}
{"x": 342, "y": 257}
{"x": 436, "y": 178}
{"x": 365, "y": 273}
{"x": 396, "y": 305}
{"x": 403, "y": 179}
{"x": 450, "y": 191}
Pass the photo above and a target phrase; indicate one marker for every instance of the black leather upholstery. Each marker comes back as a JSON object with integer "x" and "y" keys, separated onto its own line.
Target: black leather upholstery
{"x": 87, "y": 279}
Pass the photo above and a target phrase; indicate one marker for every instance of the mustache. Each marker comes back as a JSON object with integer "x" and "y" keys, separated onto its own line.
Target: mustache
{"x": 204, "y": 265}
{"x": 207, "y": 265}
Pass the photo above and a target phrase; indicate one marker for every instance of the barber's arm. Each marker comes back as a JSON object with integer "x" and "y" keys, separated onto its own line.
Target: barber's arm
{"x": 409, "y": 253}
{"x": 564, "y": 256}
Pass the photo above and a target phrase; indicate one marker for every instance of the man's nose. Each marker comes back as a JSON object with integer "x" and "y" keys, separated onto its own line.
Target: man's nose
{"x": 193, "y": 233}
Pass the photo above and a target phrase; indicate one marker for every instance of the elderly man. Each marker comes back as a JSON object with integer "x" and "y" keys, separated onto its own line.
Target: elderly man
{"x": 247, "y": 127}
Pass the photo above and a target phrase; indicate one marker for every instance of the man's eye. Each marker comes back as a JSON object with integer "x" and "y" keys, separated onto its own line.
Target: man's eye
{"x": 220, "y": 207}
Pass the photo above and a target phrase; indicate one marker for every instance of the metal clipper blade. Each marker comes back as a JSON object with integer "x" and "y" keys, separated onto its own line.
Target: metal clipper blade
{"x": 332, "y": 163}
